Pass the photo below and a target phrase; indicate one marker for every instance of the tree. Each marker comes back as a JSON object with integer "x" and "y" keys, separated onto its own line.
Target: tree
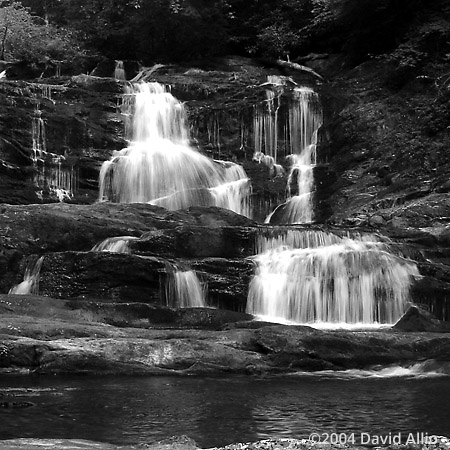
{"x": 16, "y": 26}
{"x": 25, "y": 36}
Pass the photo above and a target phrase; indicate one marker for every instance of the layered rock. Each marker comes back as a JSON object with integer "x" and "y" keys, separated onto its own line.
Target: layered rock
{"x": 52, "y": 336}
{"x": 212, "y": 241}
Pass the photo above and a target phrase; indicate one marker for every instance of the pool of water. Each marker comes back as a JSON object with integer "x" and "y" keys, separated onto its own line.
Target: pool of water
{"x": 219, "y": 411}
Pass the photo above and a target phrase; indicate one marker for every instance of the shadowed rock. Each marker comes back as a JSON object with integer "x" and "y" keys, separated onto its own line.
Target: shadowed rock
{"x": 417, "y": 319}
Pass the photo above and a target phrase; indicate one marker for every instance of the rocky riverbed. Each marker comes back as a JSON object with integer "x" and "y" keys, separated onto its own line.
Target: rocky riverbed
{"x": 51, "y": 336}
{"x": 184, "y": 443}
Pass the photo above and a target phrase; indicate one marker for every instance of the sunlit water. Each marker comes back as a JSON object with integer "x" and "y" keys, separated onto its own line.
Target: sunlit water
{"x": 219, "y": 411}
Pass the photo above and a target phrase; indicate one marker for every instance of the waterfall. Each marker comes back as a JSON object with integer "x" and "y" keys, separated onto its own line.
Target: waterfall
{"x": 184, "y": 290}
{"x": 49, "y": 169}
{"x": 119, "y": 71}
{"x": 118, "y": 244}
{"x": 286, "y": 126}
{"x": 159, "y": 166}
{"x": 30, "y": 283}
{"x": 314, "y": 276}
{"x": 39, "y": 145}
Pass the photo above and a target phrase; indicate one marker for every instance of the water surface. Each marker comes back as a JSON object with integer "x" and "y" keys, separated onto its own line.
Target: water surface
{"x": 219, "y": 411}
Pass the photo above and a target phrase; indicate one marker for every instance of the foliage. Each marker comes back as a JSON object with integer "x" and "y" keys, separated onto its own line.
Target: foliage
{"x": 174, "y": 30}
{"x": 25, "y": 36}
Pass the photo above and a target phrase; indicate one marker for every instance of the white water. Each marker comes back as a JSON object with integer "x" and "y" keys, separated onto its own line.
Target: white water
{"x": 50, "y": 172}
{"x": 119, "y": 71}
{"x": 308, "y": 277}
{"x": 160, "y": 167}
{"x": 39, "y": 145}
{"x": 118, "y": 244}
{"x": 184, "y": 290}
{"x": 287, "y": 126}
{"x": 426, "y": 369}
{"x": 30, "y": 283}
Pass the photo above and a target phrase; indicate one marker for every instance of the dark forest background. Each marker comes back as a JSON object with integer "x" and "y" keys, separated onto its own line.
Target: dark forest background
{"x": 159, "y": 31}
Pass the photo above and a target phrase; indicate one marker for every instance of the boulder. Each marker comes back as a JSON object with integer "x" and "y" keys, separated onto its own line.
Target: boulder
{"x": 418, "y": 319}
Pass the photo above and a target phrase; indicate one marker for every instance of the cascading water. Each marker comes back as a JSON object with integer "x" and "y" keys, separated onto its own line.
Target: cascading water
{"x": 292, "y": 116}
{"x": 159, "y": 166}
{"x": 184, "y": 290}
{"x": 49, "y": 169}
{"x": 119, "y": 71}
{"x": 118, "y": 244}
{"x": 313, "y": 276}
{"x": 30, "y": 283}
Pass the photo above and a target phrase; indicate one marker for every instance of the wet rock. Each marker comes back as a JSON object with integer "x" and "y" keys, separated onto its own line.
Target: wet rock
{"x": 128, "y": 278}
{"x": 51, "y": 336}
{"x": 185, "y": 443}
{"x": 444, "y": 187}
{"x": 208, "y": 318}
{"x": 417, "y": 319}
{"x": 120, "y": 315}
{"x": 38, "y": 229}
{"x": 376, "y": 221}
{"x": 102, "y": 275}
{"x": 198, "y": 242}
{"x": 56, "y": 444}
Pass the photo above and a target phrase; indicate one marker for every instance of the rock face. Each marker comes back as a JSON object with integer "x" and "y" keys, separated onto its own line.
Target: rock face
{"x": 54, "y": 137}
{"x": 214, "y": 242}
{"x": 57, "y": 132}
{"x": 164, "y": 242}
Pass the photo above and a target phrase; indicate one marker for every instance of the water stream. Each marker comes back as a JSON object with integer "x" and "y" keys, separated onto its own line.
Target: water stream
{"x": 185, "y": 290}
{"x": 30, "y": 283}
{"x": 220, "y": 411}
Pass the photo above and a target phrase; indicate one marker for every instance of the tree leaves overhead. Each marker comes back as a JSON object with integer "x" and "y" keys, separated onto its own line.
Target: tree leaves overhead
{"x": 27, "y": 36}
{"x": 175, "y": 30}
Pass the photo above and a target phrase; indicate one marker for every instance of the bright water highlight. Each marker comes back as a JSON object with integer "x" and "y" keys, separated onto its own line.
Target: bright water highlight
{"x": 160, "y": 167}
{"x": 314, "y": 276}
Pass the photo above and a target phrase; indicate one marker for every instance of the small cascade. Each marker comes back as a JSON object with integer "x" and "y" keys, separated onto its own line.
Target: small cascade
{"x": 184, "y": 290}
{"x": 159, "y": 166}
{"x": 304, "y": 122}
{"x": 119, "y": 71}
{"x": 39, "y": 145}
{"x": 50, "y": 171}
{"x": 314, "y": 276}
{"x": 30, "y": 283}
{"x": 266, "y": 118}
{"x": 285, "y": 130}
{"x": 118, "y": 244}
